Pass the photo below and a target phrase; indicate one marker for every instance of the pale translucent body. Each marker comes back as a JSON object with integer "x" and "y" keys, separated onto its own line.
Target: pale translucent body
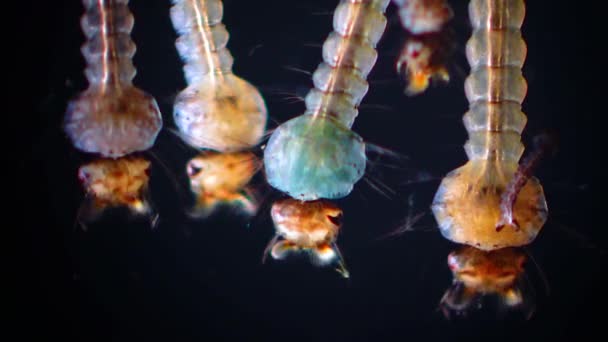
{"x": 218, "y": 110}
{"x": 467, "y": 204}
{"x": 327, "y": 163}
{"x": 112, "y": 117}
{"x": 116, "y": 182}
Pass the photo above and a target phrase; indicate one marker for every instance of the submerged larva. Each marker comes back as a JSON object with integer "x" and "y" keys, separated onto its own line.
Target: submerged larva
{"x": 112, "y": 117}
{"x": 218, "y": 110}
{"x": 467, "y": 203}
{"x": 317, "y": 155}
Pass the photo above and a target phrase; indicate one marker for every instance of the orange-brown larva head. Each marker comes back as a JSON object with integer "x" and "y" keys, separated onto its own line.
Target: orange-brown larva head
{"x": 113, "y": 123}
{"x": 487, "y": 272}
{"x": 424, "y": 16}
{"x": 230, "y": 172}
{"x": 223, "y": 113}
{"x": 116, "y": 182}
{"x": 307, "y": 224}
{"x": 477, "y": 274}
{"x": 467, "y": 207}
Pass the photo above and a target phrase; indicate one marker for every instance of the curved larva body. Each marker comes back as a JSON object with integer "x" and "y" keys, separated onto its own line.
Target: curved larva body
{"x": 217, "y": 110}
{"x": 467, "y": 204}
{"x": 112, "y": 117}
{"x": 316, "y": 155}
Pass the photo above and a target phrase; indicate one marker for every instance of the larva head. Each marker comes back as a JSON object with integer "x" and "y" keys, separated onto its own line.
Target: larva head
{"x": 467, "y": 207}
{"x": 117, "y": 182}
{"x": 487, "y": 272}
{"x": 221, "y": 172}
{"x": 221, "y": 112}
{"x": 114, "y": 122}
{"x": 311, "y": 157}
{"x": 478, "y": 273}
{"x": 306, "y": 224}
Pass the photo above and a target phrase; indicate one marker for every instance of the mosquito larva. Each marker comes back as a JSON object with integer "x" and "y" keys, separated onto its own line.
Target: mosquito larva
{"x": 110, "y": 183}
{"x": 467, "y": 204}
{"x": 112, "y": 117}
{"x": 317, "y": 155}
{"x": 218, "y": 110}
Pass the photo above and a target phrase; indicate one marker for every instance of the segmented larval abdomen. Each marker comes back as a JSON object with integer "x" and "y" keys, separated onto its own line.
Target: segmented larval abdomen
{"x": 349, "y": 54}
{"x": 218, "y": 110}
{"x": 316, "y": 155}
{"x": 108, "y": 49}
{"x": 202, "y": 38}
{"x": 495, "y": 87}
{"x": 112, "y": 117}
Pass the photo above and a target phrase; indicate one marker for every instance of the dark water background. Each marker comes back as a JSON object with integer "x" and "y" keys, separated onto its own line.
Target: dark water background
{"x": 187, "y": 280}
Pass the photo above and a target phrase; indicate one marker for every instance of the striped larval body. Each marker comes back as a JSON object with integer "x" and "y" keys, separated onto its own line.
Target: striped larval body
{"x": 316, "y": 155}
{"x": 467, "y": 204}
{"x": 112, "y": 117}
{"x": 218, "y": 110}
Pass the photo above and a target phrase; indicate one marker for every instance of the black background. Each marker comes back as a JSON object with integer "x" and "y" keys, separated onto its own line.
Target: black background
{"x": 191, "y": 280}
